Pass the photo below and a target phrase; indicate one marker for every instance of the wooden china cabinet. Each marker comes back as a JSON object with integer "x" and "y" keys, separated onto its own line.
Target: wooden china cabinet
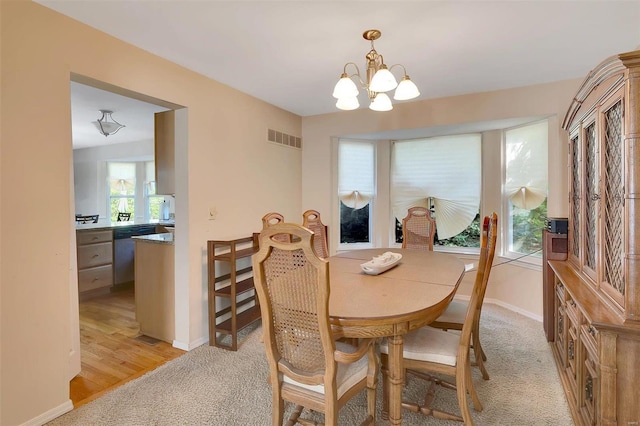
{"x": 596, "y": 313}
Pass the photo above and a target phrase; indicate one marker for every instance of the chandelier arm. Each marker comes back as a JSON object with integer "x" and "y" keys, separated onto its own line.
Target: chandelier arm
{"x": 357, "y": 74}
{"x": 404, "y": 70}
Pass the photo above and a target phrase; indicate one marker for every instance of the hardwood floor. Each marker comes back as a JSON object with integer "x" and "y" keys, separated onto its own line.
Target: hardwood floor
{"x": 112, "y": 350}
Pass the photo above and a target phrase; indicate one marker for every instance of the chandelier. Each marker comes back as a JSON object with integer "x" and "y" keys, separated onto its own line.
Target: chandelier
{"x": 107, "y": 125}
{"x": 379, "y": 80}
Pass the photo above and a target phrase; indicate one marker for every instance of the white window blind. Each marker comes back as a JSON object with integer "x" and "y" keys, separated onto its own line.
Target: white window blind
{"x": 356, "y": 165}
{"x": 526, "y": 165}
{"x": 122, "y": 178}
{"x": 445, "y": 169}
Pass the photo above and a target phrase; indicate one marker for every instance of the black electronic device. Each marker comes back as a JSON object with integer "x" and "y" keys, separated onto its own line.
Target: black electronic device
{"x": 558, "y": 225}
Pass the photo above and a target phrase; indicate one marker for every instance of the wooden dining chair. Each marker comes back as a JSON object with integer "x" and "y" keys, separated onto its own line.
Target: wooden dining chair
{"x": 418, "y": 229}
{"x": 91, "y": 218}
{"x": 307, "y": 366}
{"x": 311, "y": 220}
{"x": 123, "y": 217}
{"x": 428, "y": 351}
{"x": 453, "y": 317}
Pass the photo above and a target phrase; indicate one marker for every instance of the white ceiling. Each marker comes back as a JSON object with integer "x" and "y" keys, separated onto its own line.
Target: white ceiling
{"x": 86, "y": 101}
{"x": 291, "y": 53}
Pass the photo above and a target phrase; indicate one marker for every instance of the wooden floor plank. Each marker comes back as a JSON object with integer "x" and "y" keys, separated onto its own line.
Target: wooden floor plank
{"x": 110, "y": 354}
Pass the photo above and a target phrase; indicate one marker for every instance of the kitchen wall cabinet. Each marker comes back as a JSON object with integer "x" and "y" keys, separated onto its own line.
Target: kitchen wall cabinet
{"x": 165, "y": 138}
{"x": 597, "y": 289}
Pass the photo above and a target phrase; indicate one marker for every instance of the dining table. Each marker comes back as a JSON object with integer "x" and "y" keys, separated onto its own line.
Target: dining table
{"x": 407, "y": 296}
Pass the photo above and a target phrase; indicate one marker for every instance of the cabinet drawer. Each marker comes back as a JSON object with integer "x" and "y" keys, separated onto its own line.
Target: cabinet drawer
{"x": 91, "y": 237}
{"x": 93, "y": 278}
{"x": 95, "y": 255}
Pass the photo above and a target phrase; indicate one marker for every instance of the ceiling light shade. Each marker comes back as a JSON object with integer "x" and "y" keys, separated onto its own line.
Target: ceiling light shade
{"x": 348, "y": 104}
{"x": 379, "y": 79}
{"x": 345, "y": 88}
{"x": 381, "y": 103}
{"x": 106, "y": 124}
{"x": 383, "y": 80}
{"x": 406, "y": 90}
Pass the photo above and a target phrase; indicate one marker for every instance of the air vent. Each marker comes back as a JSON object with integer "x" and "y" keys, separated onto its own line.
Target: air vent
{"x": 283, "y": 138}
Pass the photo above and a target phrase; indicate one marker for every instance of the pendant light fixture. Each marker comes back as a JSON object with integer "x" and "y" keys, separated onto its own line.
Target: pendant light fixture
{"x": 378, "y": 81}
{"x": 106, "y": 124}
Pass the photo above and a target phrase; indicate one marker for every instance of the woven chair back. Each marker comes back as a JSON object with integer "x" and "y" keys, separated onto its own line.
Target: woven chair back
{"x": 311, "y": 220}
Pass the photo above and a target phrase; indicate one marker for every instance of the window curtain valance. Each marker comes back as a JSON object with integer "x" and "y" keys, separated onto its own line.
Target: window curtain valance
{"x": 446, "y": 170}
{"x": 526, "y": 180}
{"x": 356, "y": 165}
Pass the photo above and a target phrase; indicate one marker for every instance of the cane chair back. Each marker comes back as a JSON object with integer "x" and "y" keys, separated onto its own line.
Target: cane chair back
{"x": 307, "y": 366}
{"x": 271, "y": 219}
{"x": 311, "y": 220}
{"x": 429, "y": 351}
{"x": 418, "y": 229}
{"x": 92, "y": 218}
{"x": 453, "y": 317}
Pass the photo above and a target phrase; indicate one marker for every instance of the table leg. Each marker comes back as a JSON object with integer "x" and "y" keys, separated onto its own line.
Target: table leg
{"x": 396, "y": 379}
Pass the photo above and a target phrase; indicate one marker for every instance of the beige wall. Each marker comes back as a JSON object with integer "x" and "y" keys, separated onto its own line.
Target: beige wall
{"x": 519, "y": 288}
{"x": 228, "y": 165}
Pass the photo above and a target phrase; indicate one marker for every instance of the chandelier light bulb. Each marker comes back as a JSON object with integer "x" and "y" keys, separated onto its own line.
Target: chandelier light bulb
{"x": 383, "y": 80}
{"x": 348, "y": 103}
{"x": 406, "y": 90}
{"x": 381, "y": 103}
{"x": 345, "y": 88}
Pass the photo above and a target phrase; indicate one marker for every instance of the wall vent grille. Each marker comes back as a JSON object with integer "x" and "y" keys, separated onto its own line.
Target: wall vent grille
{"x": 284, "y": 139}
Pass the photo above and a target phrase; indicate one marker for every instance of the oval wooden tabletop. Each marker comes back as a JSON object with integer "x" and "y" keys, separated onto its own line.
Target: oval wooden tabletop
{"x": 418, "y": 288}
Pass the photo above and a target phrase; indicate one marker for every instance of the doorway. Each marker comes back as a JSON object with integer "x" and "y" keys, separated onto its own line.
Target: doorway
{"x": 109, "y": 349}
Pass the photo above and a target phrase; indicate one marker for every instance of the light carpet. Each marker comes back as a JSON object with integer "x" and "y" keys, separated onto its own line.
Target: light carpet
{"x": 211, "y": 386}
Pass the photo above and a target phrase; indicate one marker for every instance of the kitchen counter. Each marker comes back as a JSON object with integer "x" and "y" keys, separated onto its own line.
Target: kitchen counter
{"x": 115, "y": 225}
{"x": 166, "y": 238}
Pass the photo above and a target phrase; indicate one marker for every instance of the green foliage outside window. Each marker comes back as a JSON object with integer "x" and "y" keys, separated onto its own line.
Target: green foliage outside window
{"x": 527, "y": 227}
{"x": 470, "y": 237}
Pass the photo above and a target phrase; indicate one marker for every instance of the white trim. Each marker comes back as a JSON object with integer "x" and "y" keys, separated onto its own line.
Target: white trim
{"x": 49, "y": 415}
{"x": 191, "y": 345}
{"x": 508, "y": 306}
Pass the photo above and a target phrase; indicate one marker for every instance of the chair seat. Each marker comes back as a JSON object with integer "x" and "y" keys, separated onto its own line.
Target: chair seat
{"x": 429, "y": 344}
{"x": 455, "y": 312}
{"x": 347, "y": 375}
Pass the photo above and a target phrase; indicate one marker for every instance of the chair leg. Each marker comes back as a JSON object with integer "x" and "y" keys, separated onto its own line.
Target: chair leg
{"x": 479, "y": 355}
{"x": 277, "y": 404}
{"x": 462, "y": 379}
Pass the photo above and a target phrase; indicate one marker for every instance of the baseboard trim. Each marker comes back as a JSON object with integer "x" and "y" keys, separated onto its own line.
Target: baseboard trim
{"x": 49, "y": 415}
{"x": 190, "y": 346}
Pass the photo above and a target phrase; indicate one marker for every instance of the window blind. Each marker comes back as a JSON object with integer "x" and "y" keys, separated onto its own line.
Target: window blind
{"x": 447, "y": 170}
{"x": 526, "y": 165}
{"x": 356, "y": 165}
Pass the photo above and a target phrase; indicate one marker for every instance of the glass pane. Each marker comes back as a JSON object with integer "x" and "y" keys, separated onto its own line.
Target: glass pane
{"x": 613, "y": 212}
{"x": 354, "y": 224}
{"x": 470, "y": 237}
{"x": 526, "y": 229}
{"x": 121, "y": 204}
{"x": 591, "y": 195}
{"x": 155, "y": 207}
{"x": 575, "y": 196}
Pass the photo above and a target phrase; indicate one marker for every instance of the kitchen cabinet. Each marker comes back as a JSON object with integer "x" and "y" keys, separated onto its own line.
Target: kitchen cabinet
{"x": 165, "y": 146}
{"x": 95, "y": 261}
